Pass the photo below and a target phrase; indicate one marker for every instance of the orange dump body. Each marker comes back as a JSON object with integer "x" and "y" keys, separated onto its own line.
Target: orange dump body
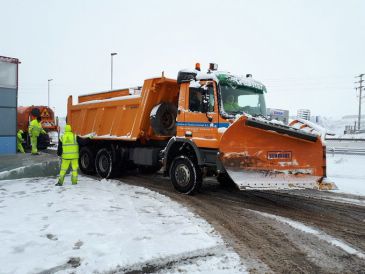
{"x": 48, "y": 119}
{"x": 121, "y": 114}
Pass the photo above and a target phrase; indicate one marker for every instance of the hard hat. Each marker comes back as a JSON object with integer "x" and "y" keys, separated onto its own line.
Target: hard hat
{"x": 68, "y": 128}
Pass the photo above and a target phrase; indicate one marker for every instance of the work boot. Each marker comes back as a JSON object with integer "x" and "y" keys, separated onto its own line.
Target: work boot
{"x": 59, "y": 184}
{"x": 74, "y": 183}
{"x": 36, "y": 153}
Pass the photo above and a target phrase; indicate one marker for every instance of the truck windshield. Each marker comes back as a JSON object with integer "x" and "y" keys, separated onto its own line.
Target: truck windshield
{"x": 243, "y": 100}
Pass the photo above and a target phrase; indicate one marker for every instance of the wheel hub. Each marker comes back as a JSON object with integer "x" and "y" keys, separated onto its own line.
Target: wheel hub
{"x": 182, "y": 175}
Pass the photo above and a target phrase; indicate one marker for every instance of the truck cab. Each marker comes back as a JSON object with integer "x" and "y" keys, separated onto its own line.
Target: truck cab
{"x": 209, "y": 103}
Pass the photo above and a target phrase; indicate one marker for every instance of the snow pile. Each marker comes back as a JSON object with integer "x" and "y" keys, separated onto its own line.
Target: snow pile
{"x": 103, "y": 226}
{"x": 337, "y": 126}
{"x": 46, "y": 168}
{"x": 348, "y": 173}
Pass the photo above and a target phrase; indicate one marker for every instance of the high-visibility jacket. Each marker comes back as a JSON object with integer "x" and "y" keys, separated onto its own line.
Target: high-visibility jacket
{"x": 35, "y": 128}
{"x": 70, "y": 147}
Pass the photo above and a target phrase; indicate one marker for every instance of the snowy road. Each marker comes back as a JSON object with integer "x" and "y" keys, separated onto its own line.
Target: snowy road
{"x": 103, "y": 226}
{"x": 288, "y": 231}
{"x": 119, "y": 227}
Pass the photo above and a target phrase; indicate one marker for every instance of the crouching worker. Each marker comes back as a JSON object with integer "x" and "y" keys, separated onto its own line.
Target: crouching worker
{"x": 19, "y": 141}
{"x": 68, "y": 149}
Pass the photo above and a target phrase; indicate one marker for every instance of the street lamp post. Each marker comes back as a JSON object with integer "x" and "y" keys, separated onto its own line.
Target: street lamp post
{"x": 111, "y": 69}
{"x": 49, "y": 80}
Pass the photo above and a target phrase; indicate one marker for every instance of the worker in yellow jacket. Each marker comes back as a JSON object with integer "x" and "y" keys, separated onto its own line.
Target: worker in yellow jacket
{"x": 19, "y": 141}
{"x": 35, "y": 129}
{"x": 68, "y": 149}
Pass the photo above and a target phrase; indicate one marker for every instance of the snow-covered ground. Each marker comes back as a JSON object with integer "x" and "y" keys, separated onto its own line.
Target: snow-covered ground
{"x": 103, "y": 226}
{"x": 348, "y": 172}
{"x": 337, "y": 126}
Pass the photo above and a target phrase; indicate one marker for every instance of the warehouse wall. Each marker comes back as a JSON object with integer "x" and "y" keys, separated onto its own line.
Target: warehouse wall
{"x": 8, "y": 104}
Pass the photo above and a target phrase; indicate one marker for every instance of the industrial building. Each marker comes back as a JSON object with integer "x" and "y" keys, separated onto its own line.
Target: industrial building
{"x": 278, "y": 114}
{"x": 304, "y": 114}
{"x": 8, "y": 104}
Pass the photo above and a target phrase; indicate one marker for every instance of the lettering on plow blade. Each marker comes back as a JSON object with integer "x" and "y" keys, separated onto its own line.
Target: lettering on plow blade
{"x": 274, "y": 155}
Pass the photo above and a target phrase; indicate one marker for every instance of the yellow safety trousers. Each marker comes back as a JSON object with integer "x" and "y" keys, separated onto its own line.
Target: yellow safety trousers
{"x": 64, "y": 167}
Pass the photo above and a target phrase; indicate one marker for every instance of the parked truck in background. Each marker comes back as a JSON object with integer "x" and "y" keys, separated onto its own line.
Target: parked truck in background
{"x": 49, "y": 123}
{"x": 197, "y": 125}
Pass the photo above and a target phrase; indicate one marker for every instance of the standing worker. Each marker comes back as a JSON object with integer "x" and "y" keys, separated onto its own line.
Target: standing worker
{"x": 19, "y": 141}
{"x": 68, "y": 148}
{"x": 35, "y": 129}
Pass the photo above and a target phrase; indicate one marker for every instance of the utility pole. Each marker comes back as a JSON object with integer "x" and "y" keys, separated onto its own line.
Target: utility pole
{"x": 360, "y": 88}
{"x": 111, "y": 69}
{"x": 49, "y": 80}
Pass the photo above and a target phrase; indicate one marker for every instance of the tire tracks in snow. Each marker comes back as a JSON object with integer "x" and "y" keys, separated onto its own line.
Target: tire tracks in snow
{"x": 266, "y": 244}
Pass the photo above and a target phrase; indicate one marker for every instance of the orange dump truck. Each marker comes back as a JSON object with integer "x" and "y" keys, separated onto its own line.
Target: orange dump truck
{"x": 49, "y": 123}
{"x": 201, "y": 124}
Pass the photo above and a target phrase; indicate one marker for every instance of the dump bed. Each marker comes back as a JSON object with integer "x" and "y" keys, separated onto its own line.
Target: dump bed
{"x": 121, "y": 114}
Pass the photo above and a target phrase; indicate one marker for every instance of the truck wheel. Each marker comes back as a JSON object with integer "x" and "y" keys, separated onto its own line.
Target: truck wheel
{"x": 225, "y": 181}
{"x": 86, "y": 161}
{"x": 185, "y": 175}
{"x": 104, "y": 163}
{"x": 163, "y": 119}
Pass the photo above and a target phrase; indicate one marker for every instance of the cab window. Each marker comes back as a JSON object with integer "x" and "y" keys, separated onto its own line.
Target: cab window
{"x": 196, "y": 96}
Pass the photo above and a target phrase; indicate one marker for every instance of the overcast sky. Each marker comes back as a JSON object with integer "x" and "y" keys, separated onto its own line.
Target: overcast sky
{"x": 307, "y": 53}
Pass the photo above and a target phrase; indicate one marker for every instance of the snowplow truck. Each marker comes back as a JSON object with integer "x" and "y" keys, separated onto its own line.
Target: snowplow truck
{"x": 200, "y": 124}
{"x": 25, "y": 114}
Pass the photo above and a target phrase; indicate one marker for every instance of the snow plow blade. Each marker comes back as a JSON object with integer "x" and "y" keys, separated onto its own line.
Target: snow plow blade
{"x": 261, "y": 155}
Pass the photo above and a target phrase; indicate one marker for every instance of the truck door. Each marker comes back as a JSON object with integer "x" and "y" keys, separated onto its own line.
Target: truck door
{"x": 201, "y": 125}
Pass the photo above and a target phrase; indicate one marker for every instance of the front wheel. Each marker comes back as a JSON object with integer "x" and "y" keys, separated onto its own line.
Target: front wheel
{"x": 185, "y": 175}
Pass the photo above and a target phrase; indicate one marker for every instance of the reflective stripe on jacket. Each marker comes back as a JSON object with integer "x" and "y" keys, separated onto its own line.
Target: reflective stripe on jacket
{"x": 70, "y": 148}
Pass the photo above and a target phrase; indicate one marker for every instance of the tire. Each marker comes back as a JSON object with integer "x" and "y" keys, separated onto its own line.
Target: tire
{"x": 225, "y": 181}
{"x": 163, "y": 119}
{"x": 87, "y": 161}
{"x": 104, "y": 163}
{"x": 43, "y": 141}
{"x": 185, "y": 175}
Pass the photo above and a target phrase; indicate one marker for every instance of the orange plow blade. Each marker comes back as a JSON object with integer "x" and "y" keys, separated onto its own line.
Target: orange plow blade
{"x": 258, "y": 154}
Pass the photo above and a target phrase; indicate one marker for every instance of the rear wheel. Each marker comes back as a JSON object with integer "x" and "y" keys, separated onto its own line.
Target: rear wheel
{"x": 86, "y": 161}
{"x": 185, "y": 175}
{"x": 104, "y": 163}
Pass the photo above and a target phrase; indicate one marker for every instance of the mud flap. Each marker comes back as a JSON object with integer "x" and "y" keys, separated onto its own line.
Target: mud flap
{"x": 263, "y": 156}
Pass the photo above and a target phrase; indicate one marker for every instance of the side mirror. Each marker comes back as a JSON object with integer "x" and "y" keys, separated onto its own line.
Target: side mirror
{"x": 205, "y": 102}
